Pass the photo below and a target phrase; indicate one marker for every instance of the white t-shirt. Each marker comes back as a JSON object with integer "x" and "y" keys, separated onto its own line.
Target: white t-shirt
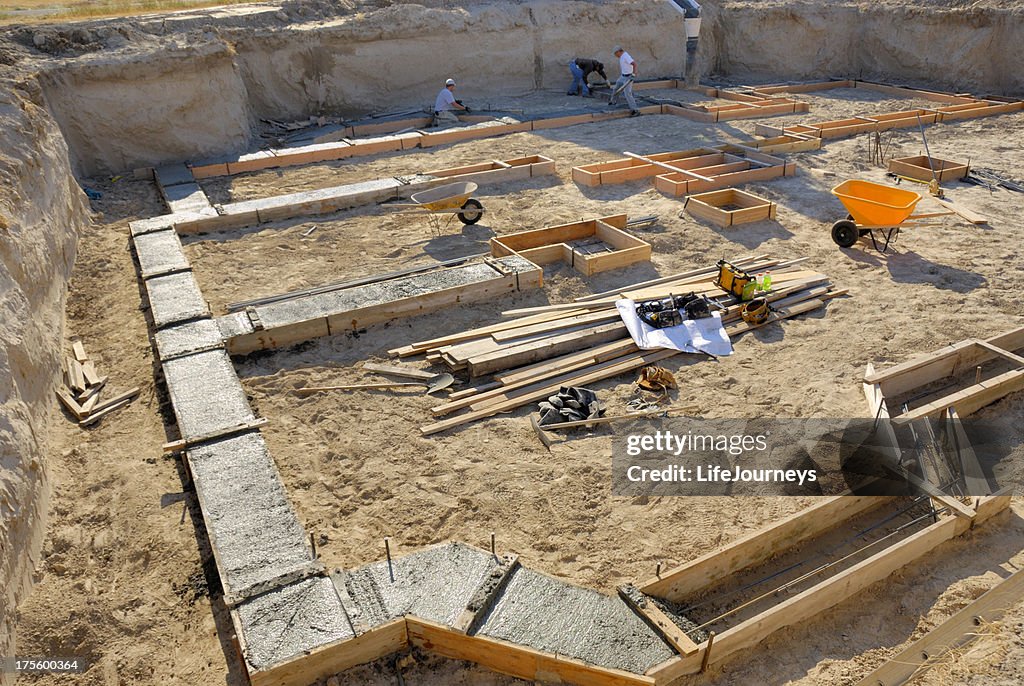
{"x": 445, "y": 100}
{"x": 625, "y": 64}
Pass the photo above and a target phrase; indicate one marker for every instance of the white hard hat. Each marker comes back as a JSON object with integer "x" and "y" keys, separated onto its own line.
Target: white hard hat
{"x": 450, "y": 82}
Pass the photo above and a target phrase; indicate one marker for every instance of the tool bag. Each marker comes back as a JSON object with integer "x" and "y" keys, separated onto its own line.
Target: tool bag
{"x": 673, "y": 310}
{"x": 756, "y": 311}
{"x": 733, "y": 280}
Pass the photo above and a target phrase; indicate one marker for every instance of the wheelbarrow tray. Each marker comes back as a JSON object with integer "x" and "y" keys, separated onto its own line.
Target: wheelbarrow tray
{"x": 447, "y": 197}
{"x": 875, "y": 205}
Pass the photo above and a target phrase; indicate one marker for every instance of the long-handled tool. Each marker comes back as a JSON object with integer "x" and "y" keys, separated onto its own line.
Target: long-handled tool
{"x": 437, "y": 383}
{"x": 933, "y": 186}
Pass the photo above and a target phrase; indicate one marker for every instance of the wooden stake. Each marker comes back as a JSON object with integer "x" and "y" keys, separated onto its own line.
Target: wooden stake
{"x": 492, "y": 545}
{"x": 707, "y": 652}
{"x": 387, "y": 551}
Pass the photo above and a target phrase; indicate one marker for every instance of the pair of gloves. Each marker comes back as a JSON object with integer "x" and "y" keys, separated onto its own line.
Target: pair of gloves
{"x": 466, "y": 108}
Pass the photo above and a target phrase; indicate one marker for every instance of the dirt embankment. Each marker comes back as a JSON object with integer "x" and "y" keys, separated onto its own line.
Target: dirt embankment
{"x": 199, "y": 94}
{"x": 956, "y": 46}
{"x": 41, "y": 212}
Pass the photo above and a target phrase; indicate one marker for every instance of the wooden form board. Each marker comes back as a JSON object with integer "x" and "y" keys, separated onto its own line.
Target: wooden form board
{"x": 705, "y": 571}
{"x": 714, "y": 206}
{"x": 918, "y": 167}
{"x": 951, "y": 361}
{"x": 297, "y": 332}
{"x": 828, "y": 593}
{"x": 515, "y": 660}
{"x": 328, "y": 200}
{"x": 554, "y": 244}
{"x": 954, "y": 632}
{"x": 677, "y": 185}
{"x": 332, "y": 658}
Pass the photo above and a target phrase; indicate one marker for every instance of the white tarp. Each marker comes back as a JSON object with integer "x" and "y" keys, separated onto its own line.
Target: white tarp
{"x": 693, "y": 335}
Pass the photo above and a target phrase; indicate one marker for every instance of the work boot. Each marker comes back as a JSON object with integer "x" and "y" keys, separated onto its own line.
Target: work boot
{"x": 634, "y": 113}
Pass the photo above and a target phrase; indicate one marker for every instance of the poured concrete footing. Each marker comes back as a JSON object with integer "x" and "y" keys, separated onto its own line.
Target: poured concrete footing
{"x": 206, "y": 394}
{"x": 256, "y": 537}
{"x": 175, "y": 298}
{"x": 299, "y": 319}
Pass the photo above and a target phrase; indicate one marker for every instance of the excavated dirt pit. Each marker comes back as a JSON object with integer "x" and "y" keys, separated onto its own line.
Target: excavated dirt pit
{"x": 126, "y": 576}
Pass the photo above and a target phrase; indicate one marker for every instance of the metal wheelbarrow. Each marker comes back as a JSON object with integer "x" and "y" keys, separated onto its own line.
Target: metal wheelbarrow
{"x": 873, "y": 207}
{"x": 449, "y": 201}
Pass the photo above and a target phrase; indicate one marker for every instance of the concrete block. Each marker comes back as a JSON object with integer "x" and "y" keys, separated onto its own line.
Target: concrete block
{"x": 233, "y": 325}
{"x": 187, "y": 338}
{"x": 256, "y": 537}
{"x": 175, "y": 298}
{"x": 550, "y": 615}
{"x": 206, "y": 394}
{"x": 159, "y": 253}
{"x": 291, "y": 622}
{"x": 173, "y": 174}
{"x": 434, "y": 584}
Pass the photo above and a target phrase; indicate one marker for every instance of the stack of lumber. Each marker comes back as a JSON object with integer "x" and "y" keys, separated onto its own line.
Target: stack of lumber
{"x": 83, "y": 386}
{"x": 585, "y": 341}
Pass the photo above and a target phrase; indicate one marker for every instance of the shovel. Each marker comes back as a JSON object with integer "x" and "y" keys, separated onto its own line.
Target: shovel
{"x": 433, "y": 385}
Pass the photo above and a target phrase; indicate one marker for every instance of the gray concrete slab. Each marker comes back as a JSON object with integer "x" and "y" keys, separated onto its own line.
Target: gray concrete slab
{"x": 293, "y": 620}
{"x": 160, "y": 252}
{"x": 190, "y": 337}
{"x": 255, "y": 534}
{"x": 434, "y": 584}
{"x": 206, "y": 393}
{"x": 175, "y": 298}
{"x": 550, "y": 615}
{"x": 186, "y": 197}
{"x": 234, "y": 324}
{"x": 321, "y": 201}
{"x": 173, "y": 174}
{"x": 167, "y": 221}
{"x": 371, "y": 295}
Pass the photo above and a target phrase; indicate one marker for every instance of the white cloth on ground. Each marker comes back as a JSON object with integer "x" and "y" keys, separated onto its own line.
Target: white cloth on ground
{"x": 692, "y": 336}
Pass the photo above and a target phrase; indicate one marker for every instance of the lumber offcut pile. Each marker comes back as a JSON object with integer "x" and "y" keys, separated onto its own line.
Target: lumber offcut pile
{"x": 83, "y": 385}
{"x": 574, "y": 344}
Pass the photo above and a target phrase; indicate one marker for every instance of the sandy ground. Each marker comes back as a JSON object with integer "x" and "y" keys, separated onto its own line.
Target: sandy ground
{"x": 123, "y": 577}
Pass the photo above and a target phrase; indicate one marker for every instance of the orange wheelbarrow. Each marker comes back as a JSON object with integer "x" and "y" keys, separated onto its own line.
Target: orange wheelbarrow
{"x": 873, "y": 207}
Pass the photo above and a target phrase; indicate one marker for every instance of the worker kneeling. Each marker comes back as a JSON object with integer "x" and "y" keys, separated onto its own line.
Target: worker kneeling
{"x": 445, "y": 105}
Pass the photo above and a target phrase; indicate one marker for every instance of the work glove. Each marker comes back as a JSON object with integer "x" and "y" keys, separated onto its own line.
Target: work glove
{"x": 467, "y": 109}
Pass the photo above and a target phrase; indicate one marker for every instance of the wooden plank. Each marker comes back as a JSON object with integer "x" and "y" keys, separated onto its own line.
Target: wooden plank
{"x": 1000, "y": 352}
{"x": 818, "y": 598}
{"x": 954, "y": 632}
{"x": 471, "y": 616}
{"x": 658, "y": 620}
{"x": 391, "y": 370}
{"x": 550, "y": 346}
{"x": 78, "y": 349}
{"x": 963, "y": 212}
{"x": 554, "y": 325}
{"x": 970, "y": 399}
{"x": 71, "y": 404}
{"x": 116, "y": 400}
{"x": 96, "y": 415}
{"x": 532, "y": 393}
{"x": 90, "y": 374}
{"x": 330, "y": 659}
{"x": 669, "y": 167}
{"x": 515, "y": 660}
{"x": 76, "y": 377}
{"x": 191, "y": 441}
{"x": 705, "y": 571}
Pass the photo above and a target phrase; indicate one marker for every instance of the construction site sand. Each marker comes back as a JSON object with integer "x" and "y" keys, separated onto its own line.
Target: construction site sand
{"x": 122, "y": 567}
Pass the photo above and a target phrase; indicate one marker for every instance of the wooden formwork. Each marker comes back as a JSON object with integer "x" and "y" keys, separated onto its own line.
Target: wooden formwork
{"x": 729, "y": 207}
{"x": 555, "y": 244}
{"x": 921, "y": 167}
{"x": 820, "y": 597}
{"x": 950, "y": 362}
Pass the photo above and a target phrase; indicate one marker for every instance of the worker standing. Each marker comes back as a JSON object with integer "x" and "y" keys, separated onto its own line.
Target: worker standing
{"x": 581, "y": 69}
{"x": 445, "y": 103}
{"x": 627, "y": 73}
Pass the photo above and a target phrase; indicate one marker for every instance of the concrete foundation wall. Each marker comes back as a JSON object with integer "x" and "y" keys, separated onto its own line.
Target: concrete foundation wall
{"x": 41, "y": 215}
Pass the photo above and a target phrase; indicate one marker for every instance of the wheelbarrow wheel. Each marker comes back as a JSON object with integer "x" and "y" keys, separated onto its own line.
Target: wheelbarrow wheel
{"x": 471, "y": 212}
{"x": 845, "y": 233}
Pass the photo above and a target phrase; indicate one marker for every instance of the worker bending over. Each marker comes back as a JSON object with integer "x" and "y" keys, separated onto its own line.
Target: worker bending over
{"x": 445, "y": 103}
{"x": 627, "y": 73}
{"x": 581, "y": 68}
